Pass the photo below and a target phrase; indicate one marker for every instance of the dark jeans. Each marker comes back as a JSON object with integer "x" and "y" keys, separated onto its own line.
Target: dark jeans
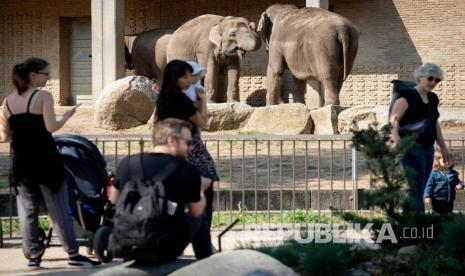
{"x": 443, "y": 207}
{"x": 418, "y": 163}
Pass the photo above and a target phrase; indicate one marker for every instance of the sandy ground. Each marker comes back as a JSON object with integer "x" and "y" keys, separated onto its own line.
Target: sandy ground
{"x": 12, "y": 261}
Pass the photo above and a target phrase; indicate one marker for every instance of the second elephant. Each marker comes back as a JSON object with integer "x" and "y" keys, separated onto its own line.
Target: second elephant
{"x": 215, "y": 41}
{"x": 146, "y": 53}
{"x": 313, "y": 44}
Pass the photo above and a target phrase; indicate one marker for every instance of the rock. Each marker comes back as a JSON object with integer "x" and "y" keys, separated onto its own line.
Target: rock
{"x": 125, "y": 103}
{"x": 452, "y": 120}
{"x": 227, "y": 116}
{"x": 360, "y": 117}
{"x": 325, "y": 119}
{"x": 406, "y": 252}
{"x": 133, "y": 268}
{"x": 238, "y": 262}
{"x": 357, "y": 272}
{"x": 288, "y": 119}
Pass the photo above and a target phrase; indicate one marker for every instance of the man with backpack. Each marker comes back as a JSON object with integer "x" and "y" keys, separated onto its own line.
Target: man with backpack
{"x": 160, "y": 200}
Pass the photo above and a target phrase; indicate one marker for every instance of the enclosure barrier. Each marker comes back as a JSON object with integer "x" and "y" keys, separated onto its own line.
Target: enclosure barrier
{"x": 268, "y": 180}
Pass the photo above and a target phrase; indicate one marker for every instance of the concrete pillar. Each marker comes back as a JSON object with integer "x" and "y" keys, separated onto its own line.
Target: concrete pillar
{"x": 314, "y": 87}
{"x": 107, "y": 43}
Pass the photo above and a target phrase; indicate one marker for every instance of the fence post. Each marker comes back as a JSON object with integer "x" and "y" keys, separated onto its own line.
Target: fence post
{"x": 355, "y": 178}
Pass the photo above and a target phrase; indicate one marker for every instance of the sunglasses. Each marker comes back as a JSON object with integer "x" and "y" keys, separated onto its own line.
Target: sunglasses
{"x": 44, "y": 73}
{"x": 431, "y": 78}
{"x": 188, "y": 142}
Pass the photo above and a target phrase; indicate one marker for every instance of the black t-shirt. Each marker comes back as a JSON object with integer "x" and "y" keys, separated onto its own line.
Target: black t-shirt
{"x": 183, "y": 109}
{"x": 182, "y": 186}
{"x": 418, "y": 110}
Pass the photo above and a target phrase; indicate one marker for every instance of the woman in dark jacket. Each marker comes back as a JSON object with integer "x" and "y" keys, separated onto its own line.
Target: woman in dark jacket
{"x": 412, "y": 106}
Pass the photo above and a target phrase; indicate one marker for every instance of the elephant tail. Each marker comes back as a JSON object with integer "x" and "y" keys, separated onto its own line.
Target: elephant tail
{"x": 127, "y": 58}
{"x": 349, "y": 40}
{"x": 128, "y": 42}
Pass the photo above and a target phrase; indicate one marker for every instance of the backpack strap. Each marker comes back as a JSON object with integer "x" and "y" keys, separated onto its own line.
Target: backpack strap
{"x": 168, "y": 169}
{"x": 136, "y": 168}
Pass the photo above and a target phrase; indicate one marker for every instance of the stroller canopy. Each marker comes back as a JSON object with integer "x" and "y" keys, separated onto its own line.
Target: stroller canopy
{"x": 85, "y": 165}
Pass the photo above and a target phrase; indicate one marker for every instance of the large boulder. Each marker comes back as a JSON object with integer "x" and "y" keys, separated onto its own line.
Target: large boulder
{"x": 125, "y": 103}
{"x": 452, "y": 120}
{"x": 238, "y": 262}
{"x": 287, "y": 119}
{"x": 133, "y": 268}
{"x": 360, "y": 117}
{"x": 325, "y": 119}
{"x": 227, "y": 116}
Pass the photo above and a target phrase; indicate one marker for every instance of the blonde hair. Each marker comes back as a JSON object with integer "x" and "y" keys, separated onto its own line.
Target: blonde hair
{"x": 437, "y": 164}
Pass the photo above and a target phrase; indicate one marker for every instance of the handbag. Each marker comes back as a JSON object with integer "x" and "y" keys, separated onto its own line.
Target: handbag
{"x": 420, "y": 127}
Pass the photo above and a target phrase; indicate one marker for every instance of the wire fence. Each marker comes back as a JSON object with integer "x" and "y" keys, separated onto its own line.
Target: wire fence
{"x": 266, "y": 180}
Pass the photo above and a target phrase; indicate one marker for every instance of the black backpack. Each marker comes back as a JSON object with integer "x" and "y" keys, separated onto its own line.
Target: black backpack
{"x": 142, "y": 214}
{"x": 397, "y": 87}
{"x": 421, "y": 127}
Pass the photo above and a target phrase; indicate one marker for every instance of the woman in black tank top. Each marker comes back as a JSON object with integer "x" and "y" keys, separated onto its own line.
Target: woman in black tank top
{"x": 37, "y": 171}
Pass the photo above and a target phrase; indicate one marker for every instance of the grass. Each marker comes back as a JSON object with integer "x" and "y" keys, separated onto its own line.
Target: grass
{"x": 15, "y": 226}
{"x": 223, "y": 219}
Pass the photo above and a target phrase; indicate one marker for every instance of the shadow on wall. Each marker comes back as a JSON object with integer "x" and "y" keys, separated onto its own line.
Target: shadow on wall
{"x": 385, "y": 45}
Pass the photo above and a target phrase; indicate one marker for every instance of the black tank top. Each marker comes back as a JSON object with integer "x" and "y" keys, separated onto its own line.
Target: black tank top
{"x": 35, "y": 157}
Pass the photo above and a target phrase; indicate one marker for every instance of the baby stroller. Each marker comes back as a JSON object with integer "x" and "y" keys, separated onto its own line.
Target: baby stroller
{"x": 88, "y": 181}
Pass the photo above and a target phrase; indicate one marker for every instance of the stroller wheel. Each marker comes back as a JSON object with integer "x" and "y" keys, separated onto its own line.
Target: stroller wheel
{"x": 100, "y": 242}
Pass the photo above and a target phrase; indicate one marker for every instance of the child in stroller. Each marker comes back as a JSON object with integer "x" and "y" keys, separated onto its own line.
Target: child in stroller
{"x": 88, "y": 181}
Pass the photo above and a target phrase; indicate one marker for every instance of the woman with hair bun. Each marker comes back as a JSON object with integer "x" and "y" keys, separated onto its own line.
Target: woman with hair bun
{"x": 37, "y": 171}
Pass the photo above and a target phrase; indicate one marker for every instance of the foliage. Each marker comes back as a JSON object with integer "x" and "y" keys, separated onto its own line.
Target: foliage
{"x": 383, "y": 161}
{"x": 453, "y": 237}
{"x": 15, "y": 225}
{"x": 311, "y": 258}
{"x": 429, "y": 262}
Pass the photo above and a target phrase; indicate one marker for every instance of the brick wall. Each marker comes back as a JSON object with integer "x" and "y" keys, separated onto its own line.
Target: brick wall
{"x": 398, "y": 36}
{"x": 31, "y": 28}
{"x": 395, "y": 37}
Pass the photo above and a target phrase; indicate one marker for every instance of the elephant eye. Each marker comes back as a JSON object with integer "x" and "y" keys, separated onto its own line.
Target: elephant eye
{"x": 233, "y": 34}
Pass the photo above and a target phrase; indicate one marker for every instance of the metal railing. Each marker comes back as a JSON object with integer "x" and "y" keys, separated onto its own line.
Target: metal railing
{"x": 270, "y": 180}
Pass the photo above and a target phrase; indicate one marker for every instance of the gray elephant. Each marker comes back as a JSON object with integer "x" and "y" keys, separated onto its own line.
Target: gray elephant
{"x": 146, "y": 53}
{"x": 214, "y": 42}
{"x": 313, "y": 44}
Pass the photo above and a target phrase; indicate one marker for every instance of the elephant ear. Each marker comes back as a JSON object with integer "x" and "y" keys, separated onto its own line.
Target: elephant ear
{"x": 215, "y": 36}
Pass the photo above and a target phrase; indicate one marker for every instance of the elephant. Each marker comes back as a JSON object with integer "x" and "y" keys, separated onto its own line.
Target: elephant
{"x": 146, "y": 53}
{"x": 214, "y": 42}
{"x": 313, "y": 44}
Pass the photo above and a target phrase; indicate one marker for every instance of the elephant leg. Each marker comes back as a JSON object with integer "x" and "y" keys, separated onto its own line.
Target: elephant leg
{"x": 233, "y": 82}
{"x": 211, "y": 80}
{"x": 299, "y": 93}
{"x": 331, "y": 91}
{"x": 274, "y": 75}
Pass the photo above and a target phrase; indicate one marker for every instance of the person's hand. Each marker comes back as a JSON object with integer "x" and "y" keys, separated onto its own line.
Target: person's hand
{"x": 197, "y": 104}
{"x": 200, "y": 93}
{"x": 69, "y": 112}
{"x": 428, "y": 201}
{"x": 155, "y": 88}
{"x": 458, "y": 187}
{"x": 446, "y": 156}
